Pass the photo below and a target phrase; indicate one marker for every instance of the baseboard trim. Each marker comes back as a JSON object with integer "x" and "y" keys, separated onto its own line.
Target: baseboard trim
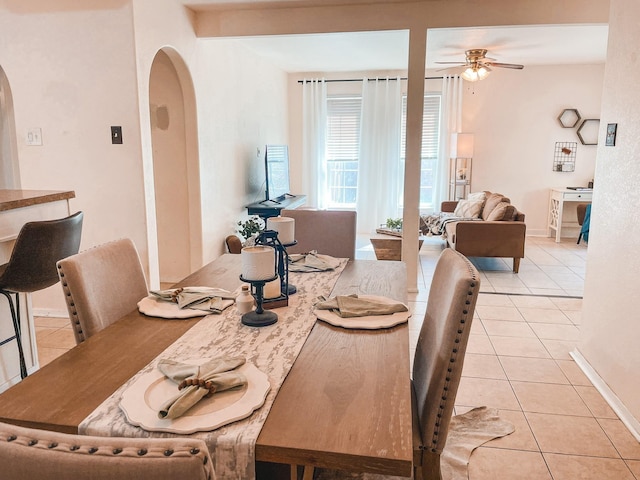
{"x": 610, "y": 397}
{"x": 49, "y": 312}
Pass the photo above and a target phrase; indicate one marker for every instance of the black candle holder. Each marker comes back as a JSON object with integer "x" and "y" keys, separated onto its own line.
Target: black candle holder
{"x": 258, "y": 317}
{"x": 270, "y": 238}
{"x": 284, "y": 257}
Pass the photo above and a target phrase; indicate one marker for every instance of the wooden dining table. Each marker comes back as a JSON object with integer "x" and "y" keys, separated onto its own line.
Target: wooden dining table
{"x": 345, "y": 403}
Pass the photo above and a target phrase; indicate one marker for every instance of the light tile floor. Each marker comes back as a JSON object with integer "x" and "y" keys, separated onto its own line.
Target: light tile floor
{"x": 517, "y": 361}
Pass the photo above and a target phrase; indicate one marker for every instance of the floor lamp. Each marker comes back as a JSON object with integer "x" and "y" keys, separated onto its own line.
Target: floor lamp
{"x": 460, "y": 169}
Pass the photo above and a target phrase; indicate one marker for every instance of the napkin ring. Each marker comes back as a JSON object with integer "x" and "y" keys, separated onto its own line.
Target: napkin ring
{"x": 198, "y": 382}
{"x": 175, "y": 294}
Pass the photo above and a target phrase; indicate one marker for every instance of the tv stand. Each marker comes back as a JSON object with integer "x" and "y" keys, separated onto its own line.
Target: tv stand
{"x": 271, "y": 208}
{"x": 267, "y": 202}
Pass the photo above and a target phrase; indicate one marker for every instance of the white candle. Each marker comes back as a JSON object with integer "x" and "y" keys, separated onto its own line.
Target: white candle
{"x": 258, "y": 263}
{"x": 272, "y": 289}
{"x": 285, "y": 226}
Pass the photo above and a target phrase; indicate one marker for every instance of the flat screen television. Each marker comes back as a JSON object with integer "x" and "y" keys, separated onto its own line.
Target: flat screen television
{"x": 276, "y": 162}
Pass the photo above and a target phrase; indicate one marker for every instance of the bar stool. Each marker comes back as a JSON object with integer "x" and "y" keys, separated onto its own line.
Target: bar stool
{"x": 32, "y": 265}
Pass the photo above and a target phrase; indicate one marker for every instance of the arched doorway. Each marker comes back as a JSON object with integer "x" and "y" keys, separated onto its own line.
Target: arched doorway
{"x": 9, "y": 166}
{"x": 175, "y": 166}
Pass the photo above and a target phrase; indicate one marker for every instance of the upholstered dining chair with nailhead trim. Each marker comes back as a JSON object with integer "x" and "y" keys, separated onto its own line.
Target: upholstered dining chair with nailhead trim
{"x": 437, "y": 364}
{"x": 439, "y": 357}
{"x": 101, "y": 285}
{"x": 28, "y": 454}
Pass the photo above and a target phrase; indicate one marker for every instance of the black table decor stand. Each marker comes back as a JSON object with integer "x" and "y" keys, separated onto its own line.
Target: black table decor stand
{"x": 258, "y": 317}
{"x": 270, "y": 238}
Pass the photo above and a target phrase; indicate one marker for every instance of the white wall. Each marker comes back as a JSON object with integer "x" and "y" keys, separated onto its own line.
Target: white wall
{"x": 513, "y": 114}
{"x": 73, "y": 77}
{"x": 610, "y": 330}
{"x": 76, "y": 70}
{"x": 242, "y": 106}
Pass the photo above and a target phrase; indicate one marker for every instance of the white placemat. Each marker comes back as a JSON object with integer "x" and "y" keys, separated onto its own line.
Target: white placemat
{"x": 369, "y": 322}
{"x": 142, "y": 400}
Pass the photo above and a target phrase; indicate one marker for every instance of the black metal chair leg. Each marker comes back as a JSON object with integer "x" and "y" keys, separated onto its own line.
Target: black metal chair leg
{"x": 15, "y": 316}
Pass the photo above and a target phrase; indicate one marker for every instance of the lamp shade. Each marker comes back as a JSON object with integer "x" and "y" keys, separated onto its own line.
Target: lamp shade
{"x": 461, "y": 145}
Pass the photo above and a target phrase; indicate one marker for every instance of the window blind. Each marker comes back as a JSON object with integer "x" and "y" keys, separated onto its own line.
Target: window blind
{"x": 343, "y": 128}
{"x": 430, "y": 127}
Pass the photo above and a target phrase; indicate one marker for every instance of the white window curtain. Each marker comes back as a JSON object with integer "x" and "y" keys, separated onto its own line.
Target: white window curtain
{"x": 451, "y": 123}
{"x": 379, "y": 164}
{"x": 314, "y": 126}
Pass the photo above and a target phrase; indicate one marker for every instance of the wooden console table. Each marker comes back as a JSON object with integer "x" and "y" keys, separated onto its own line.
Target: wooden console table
{"x": 271, "y": 208}
{"x": 557, "y": 199}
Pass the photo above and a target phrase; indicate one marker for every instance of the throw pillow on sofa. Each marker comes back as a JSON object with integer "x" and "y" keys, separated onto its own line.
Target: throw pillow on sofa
{"x": 502, "y": 211}
{"x": 468, "y": 208}
{"x": 491, "y": 202}
{"x": 477, "y": 196}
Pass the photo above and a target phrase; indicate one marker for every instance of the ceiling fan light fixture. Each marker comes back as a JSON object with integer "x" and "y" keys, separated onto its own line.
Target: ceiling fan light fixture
{"x": 473, "y": 73}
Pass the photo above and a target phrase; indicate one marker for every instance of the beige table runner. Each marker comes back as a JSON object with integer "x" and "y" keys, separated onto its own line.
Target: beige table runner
{"x": 272, "y": 349}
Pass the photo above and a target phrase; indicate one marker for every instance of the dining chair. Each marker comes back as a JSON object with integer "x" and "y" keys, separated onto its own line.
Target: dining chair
{"x": 27, "y": 454}
{"x": 437, "y": 363}
{"x": 101, "y": 285}
{"x": 234, "y": 244}
{"x": 330, "y": 232}
{"x": 32, "y": 264}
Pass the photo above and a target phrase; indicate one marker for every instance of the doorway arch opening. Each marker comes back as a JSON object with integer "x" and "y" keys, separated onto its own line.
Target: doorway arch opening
{"x": 176, "y": 171}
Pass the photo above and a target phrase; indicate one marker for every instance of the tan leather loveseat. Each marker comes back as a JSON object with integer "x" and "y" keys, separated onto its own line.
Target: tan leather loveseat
{"x": 500, "y": 232}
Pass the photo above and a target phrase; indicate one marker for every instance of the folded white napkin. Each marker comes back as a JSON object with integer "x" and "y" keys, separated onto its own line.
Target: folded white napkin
{"x": 347, "y": 306}
{"x": 207, "y": 299}
{"x": 198, "y": 381}
{"x": 312, "y": 262}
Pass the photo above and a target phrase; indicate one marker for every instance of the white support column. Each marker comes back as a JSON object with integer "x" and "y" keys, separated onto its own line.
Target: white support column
{"x": 415, "y": 106}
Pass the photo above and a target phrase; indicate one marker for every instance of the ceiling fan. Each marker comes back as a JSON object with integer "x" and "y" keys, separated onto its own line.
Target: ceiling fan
{"x": 477, "y": 65}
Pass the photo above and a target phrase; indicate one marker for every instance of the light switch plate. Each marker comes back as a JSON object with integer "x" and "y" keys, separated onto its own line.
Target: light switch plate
{"x": 116, "y": 135}
{"x": 34, "y": 136}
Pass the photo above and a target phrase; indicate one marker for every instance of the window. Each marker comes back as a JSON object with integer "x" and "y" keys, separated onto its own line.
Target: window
{"x": 343, "y": 150}
{"x": 430, "y": 147}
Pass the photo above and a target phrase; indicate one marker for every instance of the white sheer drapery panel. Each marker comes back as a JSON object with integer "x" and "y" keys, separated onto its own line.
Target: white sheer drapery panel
{"x": 379, "y": 163}
{"x": 314, "y": 131}
{"x": 451, "y": 123}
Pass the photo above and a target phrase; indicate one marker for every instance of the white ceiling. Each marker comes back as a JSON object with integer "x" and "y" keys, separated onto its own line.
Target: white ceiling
{"x": 530, "y": 45}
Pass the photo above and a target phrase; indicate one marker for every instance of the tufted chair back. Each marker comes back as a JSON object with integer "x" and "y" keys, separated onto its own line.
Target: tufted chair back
{"x": 440, "y": 351}
{"x": 330, "y": 232}
{"x": 101, "y": 285}
{"x": 28, "y": 454}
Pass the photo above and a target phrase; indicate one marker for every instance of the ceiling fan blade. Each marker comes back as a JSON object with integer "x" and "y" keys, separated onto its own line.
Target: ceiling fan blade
{"x": 451, "y": 63}
{"x": 505, "y": 65}
{"x": 458, "y": 68}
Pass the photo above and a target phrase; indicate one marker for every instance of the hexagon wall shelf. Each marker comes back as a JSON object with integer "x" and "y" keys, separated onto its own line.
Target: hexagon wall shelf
{"x": 569, "y": 118}
{"x": 588, "y": 131}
